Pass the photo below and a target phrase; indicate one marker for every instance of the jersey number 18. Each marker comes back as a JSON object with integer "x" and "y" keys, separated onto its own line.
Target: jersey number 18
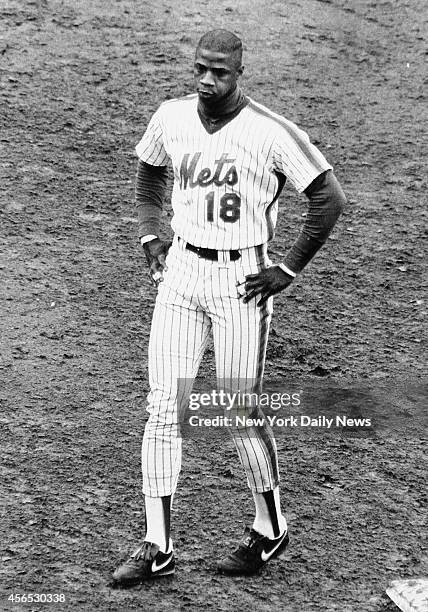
{"x": 229, "y": 207}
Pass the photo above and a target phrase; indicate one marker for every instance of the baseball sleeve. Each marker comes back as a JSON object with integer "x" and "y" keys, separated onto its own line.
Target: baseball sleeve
{"x": 150, "y": 186}
{"x": 151, "y": 147}
{"x": 326, "y": 202}
{"x": 295, "y": 156}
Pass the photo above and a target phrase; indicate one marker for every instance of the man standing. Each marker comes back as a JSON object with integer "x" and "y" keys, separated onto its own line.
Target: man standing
{"x": 231, "y": 157}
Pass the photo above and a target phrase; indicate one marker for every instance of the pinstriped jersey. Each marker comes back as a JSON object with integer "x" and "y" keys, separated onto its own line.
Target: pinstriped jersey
{"x": 226, "y": 183}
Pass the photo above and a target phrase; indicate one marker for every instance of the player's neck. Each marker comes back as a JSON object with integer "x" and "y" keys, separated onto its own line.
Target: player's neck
{"x": 225, "y": 107}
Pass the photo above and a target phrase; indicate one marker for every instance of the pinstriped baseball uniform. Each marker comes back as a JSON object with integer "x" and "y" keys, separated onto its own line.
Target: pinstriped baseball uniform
{"x": 224, "y": 197}
{"x": 225, "y": 183}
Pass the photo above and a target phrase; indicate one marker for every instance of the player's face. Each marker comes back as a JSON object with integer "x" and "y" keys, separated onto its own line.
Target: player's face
{"x": 216, "y": 74}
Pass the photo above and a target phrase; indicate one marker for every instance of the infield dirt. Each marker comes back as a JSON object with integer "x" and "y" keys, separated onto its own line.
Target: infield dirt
{"x": 79, "y": 82}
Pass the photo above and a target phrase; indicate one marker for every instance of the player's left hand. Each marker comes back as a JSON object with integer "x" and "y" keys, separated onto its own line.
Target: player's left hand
{"x": 266, "y": 283}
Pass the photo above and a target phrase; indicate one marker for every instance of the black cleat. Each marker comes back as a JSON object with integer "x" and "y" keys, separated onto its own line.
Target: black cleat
{"x": 145, "y": 563}
{"x": 254, "y": 551}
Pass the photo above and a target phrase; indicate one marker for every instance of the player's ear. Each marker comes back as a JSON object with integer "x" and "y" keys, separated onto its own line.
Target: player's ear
{"x": 240, "y": 70}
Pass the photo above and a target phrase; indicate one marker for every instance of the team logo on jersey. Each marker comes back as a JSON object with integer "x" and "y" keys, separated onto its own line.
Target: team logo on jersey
{"x": 220, "y": 175}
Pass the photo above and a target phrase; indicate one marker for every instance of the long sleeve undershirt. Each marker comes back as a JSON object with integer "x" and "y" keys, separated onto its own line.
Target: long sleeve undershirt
{"x": 326, "y": 201}
{"x": 150, "y": 187}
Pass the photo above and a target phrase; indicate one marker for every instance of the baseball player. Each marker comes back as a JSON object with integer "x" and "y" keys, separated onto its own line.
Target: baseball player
{"x": 231, "y": 157}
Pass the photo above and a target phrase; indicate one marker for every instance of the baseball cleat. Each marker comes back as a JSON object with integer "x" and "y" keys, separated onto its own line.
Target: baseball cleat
{"x": 254, "y": 551}
{"x": 145, "y": 563}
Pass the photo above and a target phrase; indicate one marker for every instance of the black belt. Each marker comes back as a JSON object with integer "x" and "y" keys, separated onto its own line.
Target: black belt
{"x": 211, "y": 254}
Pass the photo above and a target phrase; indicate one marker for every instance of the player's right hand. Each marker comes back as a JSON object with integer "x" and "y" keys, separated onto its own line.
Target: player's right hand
{"x": 156, "y": 251}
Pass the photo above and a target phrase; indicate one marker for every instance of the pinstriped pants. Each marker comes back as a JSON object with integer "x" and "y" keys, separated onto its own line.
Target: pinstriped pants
{"x": 196, "y": 297}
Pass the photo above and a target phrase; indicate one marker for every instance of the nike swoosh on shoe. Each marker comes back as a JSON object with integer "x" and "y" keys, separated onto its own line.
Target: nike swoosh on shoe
{"x": 157, "y": 568}
{"x": 267, "y": 555}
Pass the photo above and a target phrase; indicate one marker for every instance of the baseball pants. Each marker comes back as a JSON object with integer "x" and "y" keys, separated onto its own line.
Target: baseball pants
{"x": 198, "y": 296}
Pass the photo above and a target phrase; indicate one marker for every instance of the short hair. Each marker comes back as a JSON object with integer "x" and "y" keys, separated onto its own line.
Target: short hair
{"x": 222, "y": 41}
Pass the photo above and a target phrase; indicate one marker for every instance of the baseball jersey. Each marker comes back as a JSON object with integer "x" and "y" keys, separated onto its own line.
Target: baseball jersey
{"x": 226, "y": 183}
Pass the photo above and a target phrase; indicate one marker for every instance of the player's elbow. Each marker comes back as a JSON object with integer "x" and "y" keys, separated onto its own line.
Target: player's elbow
{"x": 340, "y": 196}
{"x": 336, "y": 198}
{"x": 338, "y": 204}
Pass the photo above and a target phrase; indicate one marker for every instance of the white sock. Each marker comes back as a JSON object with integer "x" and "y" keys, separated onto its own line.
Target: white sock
{"x": 155, "y": 521}
{"x": 263, "y": 522}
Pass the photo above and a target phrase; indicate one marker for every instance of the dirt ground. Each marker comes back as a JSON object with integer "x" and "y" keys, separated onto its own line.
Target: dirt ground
{"x": 79, "y": 81}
